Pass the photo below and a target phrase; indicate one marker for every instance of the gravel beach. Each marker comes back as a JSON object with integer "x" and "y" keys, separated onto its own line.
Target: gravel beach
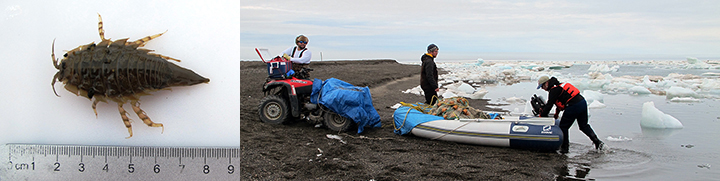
{"x": 299, "y": 151}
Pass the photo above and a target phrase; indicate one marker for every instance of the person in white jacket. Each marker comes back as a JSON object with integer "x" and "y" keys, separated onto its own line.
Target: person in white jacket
{"x": 299, "y": 55}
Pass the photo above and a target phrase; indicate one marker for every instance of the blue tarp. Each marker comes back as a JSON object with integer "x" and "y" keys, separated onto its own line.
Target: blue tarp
{"x": 347, "y": 100}
{"x": 407, "y": 118}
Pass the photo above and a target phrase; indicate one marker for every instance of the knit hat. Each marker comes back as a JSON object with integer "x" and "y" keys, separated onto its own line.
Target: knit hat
{"x": 301, "y": 38}
{"x": 432, "y": 48}
{"x": 542, "y": 80}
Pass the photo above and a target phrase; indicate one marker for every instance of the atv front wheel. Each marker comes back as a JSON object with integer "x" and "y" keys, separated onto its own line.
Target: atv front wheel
{"x": 336, "y": 122}
{"x": 273, "y": 109}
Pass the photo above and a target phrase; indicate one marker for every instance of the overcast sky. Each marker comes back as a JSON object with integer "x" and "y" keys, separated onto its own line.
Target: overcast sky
{"x": 488, "y": 29}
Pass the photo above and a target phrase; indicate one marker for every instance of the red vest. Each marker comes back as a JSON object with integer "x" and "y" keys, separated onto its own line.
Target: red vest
{"x": 567, "y": 88}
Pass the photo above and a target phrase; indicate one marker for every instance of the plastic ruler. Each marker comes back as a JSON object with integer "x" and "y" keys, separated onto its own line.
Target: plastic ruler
{"x": 82, "y": 162}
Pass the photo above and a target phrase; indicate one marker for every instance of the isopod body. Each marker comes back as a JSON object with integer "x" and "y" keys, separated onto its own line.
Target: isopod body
{"x": 121, "y": 72}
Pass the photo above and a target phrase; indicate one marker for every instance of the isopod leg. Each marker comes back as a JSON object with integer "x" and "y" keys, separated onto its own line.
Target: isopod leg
{"x": 94, "y": 106}
{"x": 125, "y": 119}
{"x": 141, "y": 114}
{"x": 100, "y": 28}
{"x": 141, "y": 42}
{"x": 167, "y": 58}
{"x": 55, "y": 63}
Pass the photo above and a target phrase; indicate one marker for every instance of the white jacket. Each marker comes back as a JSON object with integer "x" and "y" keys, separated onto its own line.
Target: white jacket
{"x": 296, "y": 58}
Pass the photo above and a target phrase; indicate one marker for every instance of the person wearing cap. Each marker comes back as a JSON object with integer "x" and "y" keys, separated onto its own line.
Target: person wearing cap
{"x": 567, "y": 98}
{"x": 299, "y": 55}
{"x": 429, "y": 74}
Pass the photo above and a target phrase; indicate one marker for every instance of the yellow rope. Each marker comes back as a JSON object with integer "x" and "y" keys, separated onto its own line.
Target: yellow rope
{"x": 408, "y": 112}
{"x": 451, "y": 131}
{"x": 417, "y": 106}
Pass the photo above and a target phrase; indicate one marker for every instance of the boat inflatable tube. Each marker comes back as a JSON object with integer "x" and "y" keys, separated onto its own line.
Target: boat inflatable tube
{"x": 529, "y": 133}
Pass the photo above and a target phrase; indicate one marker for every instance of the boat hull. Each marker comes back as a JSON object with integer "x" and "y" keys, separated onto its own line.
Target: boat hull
{"x": 501, "y": 133}
{"x": 530, "y": 133}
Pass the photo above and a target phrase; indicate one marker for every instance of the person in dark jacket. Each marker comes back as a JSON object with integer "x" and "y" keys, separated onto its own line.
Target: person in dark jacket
{"x": 567, "y": 98}
{"x": 429, "y": 75}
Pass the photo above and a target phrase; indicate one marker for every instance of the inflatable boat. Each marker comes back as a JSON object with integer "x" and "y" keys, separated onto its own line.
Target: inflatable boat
{"x": 521, "y": 132}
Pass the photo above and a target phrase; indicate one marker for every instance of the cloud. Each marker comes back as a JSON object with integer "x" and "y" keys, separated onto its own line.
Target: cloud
{"x": 462, "y": 27}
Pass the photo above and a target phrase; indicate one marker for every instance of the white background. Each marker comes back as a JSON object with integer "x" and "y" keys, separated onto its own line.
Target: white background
{"x": 203, "y": 34}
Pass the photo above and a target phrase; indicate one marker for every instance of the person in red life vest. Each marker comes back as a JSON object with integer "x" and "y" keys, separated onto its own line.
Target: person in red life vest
{"x": 567, "y": 98}
{"x": 299, "y": 55}
{"x": 429, "y": 75}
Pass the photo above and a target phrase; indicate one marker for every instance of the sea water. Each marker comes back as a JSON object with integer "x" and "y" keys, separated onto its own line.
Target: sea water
{"x": 633, "y": 152}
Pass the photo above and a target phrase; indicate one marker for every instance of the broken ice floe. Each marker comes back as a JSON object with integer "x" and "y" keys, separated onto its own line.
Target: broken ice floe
{"x": 467, "y": 79}
{"x": 676, "y": 91}
{"x": 618, "y": 138}
{"x": 654, "y": 118}
{"x": 596, "y": 105}
{"x": 684, "y": 99}
{"x": 604, "y": 68}
{"x": 460, "y": 89}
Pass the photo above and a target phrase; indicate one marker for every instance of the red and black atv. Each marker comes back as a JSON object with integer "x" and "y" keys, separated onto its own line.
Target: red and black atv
{"x": 288, "y": 97}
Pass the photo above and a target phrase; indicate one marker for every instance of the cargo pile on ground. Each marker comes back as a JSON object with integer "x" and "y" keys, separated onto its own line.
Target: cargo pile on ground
{"x": 456, "y": 108}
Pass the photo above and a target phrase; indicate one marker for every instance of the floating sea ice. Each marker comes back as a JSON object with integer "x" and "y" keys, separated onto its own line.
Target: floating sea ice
{"x": 618, "y": 138}
{"x": 693, "y": 63}
{"x": 711, "y": 74}
{"x": 676, "y": 91}
{"x": 596, "y": 105}
{"x": 646, "y": 82}
{"x": 452, "y": 86}
{"x": 466, "y": 88}
{"x": 503, "y": 67}
{"x": 556, "y": 67}
{"x": 515, "y": 100}
{"x": 528, "y": 66}
{"x": 479, "y": 94}
{"x": 654, "y": 118}
{"x": 639, "y": 90}
{"x": 710, "y": 86}
{"x": 603, "y": 68}
{"x": 591, "y": 95}
{"x": 415, "y": 90}
{"x": 596, "y": 83}
{"x": 445, "y": 81}
{"x": 528, "y": 109}
{"x": 684, "y": 99}
{"x": 509, "y": 72}
{"x": 448, "y": 94}
{"x": 618, "y": 86}
{"x": 595, "y": 75}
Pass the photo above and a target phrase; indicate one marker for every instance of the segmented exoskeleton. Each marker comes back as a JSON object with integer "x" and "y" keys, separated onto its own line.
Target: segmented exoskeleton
{"x": 120, "y": 71}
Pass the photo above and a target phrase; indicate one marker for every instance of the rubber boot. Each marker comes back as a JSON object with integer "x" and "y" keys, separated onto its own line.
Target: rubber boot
{"x": 591, "y": 134}
{"x": 564, "y": 148}
{"x": 598, "y": 144}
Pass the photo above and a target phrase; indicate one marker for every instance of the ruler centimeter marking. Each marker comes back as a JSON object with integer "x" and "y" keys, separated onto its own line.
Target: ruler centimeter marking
{"x": 64, "y": 162}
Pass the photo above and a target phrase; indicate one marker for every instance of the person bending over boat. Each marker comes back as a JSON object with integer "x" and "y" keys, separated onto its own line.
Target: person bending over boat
{"x": 567, "y": 98}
